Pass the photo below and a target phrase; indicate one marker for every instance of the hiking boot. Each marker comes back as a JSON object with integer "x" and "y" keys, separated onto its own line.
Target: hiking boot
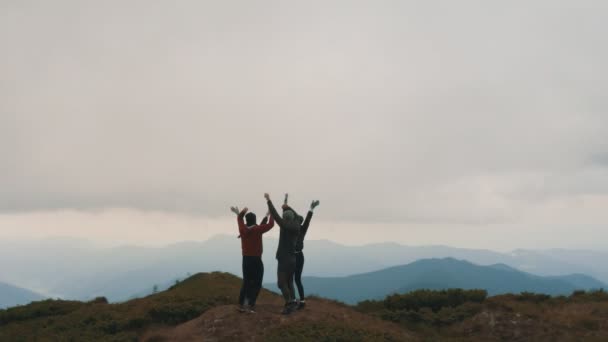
{"x": 301, "y": 305}
{"x": 251, "y": 310}
{"x": 243, "y": 308}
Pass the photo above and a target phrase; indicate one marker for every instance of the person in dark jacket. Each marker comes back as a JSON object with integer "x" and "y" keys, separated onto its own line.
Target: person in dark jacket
{"x": 288, "y": 238}
{"x": 252, "y": 249}
{"x": 300, "y": 248}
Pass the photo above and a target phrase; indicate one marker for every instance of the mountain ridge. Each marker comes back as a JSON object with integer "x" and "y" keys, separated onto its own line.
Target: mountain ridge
{"x": 11, "y": 295}
{"x": 442, "y": 273}
{"x": 75, "y": 273}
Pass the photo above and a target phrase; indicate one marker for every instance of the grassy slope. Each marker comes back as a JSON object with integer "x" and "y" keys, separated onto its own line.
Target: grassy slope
{"x": 183, "y": 307}
{"x": 513, "y": 317}
{"x": 201, "y": 300}
{"x": 523, "y": 317}
{"x": 97, "y": 320}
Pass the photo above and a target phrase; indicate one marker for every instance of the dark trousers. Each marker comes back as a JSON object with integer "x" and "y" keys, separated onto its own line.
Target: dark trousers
{"x": 285, "y": 274}
{"x": 298, "y": 273}
{"x": 253, "y": 274}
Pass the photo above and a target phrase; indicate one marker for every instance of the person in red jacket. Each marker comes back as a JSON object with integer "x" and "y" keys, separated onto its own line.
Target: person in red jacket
{"x": 253, "y": 267}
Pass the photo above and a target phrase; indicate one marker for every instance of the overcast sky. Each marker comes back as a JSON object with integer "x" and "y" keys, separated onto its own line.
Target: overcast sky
{"x": 467, "y": 123}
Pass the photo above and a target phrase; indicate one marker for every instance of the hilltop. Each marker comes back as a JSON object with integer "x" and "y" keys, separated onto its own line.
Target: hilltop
{"x": 198, "y": 308}
{"x": 320, "y": 320}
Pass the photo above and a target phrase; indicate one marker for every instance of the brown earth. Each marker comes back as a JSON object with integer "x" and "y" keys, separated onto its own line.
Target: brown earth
{"x": 225, "y": 323}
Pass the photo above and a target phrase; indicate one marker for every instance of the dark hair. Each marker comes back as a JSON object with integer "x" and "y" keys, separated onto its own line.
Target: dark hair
{"x": 250, "y": 219}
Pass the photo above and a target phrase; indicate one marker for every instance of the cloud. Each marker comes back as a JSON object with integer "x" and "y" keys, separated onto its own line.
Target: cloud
{"x": 471, "y": 113}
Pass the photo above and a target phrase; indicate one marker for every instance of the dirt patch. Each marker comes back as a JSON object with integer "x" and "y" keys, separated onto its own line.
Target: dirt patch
{"x": 225, "y": 323}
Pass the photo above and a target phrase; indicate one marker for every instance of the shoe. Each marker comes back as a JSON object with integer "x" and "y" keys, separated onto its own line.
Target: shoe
{"x": 287, "y": 309}
{"x": 301, "y": 305}
{"x": 250, "y": 310}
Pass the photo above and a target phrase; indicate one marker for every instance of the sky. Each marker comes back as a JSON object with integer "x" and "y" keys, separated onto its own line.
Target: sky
{"x": 469, "y": 123}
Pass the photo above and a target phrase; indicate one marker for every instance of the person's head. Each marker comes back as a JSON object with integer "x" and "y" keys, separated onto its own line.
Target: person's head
{"x": 289, "y": 215}
{"x": 250, "y": 219}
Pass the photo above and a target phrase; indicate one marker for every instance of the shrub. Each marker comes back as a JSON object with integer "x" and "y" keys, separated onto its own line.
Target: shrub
{"x": 111, "y": 327}
{"x": 592, "y": 296}
{"x": 532, "y": 297}
{"x": 451, "y": 315}
{"x": 39, "y": 309}
{"x": 99, "y": 300}
{"x": 577, "y": 293}
{"x": 435, "y": 300}
{"x": 370, "y": 306}
{"x": 175, "y": 313}
{"x": 435, "y": 308}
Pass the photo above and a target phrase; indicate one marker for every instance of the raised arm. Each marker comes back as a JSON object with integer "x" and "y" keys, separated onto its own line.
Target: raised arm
{"x": 313, "y": 205}
{"x": 273, "y": 211}
{"x": 264, "y": 227}
{"x": 242, "y": 227}
{"x": 306, "y": 222}
{"x": 235, "y": 210}
{"x": 265, "y": 219}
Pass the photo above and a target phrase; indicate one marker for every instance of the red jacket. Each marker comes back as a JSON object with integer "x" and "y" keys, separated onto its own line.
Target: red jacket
{"x": 251, "y": 238}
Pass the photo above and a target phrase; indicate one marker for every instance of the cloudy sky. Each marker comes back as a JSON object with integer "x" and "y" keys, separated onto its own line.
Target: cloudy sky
{"x": 466, "y": 123}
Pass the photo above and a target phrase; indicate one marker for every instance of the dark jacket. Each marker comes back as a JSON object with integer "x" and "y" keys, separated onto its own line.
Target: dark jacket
{"x": 288, "y": 235}
{"x": 303, "y": 229}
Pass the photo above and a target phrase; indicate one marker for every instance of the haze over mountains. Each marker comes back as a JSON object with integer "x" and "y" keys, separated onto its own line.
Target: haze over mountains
{"x": 75, "y": 269}
{"x": 439, "y": 274}
{"x": 11, "y": 296}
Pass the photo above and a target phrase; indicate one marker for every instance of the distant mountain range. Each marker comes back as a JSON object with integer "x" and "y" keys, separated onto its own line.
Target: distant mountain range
{"x": 12, "y": 295}
{"x": 437, "y": 274}
{"x": 75, "y": 269}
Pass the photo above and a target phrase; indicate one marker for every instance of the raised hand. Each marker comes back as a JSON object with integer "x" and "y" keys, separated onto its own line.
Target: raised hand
{"x": 267, "y": 196}
{"x": 235, "y": 210}
{"x": 314, "y": 204}
{"x": 286, "y": 198}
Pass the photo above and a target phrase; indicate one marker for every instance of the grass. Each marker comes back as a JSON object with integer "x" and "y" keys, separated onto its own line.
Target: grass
{"x": 452, "y": 315}
{"x": 463, "y": 315}
{"x": 326, "y": 332}
{"x": 52, "y": 320}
